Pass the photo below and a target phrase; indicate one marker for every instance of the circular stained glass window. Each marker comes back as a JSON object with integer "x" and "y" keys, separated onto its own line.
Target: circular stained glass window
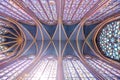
{"x": 108, "y": 40}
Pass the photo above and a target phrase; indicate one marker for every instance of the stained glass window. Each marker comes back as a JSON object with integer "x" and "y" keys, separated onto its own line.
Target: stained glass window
{"x": 3, "y": 31}
{"x": 104, "y": 69}
{"x": 9, "y": 8}
{"x": 2, "y": 39}
{"x": 11, "y": 71}
{"x": 2, "y": 48}
{"x": 45, "y": 10}
{"x": 108, "y": 10}
{"x": 73, "y": 8}
{"x": 109, "y": 40}
{"x": 75, "y": 70}
{"x": 44, "y": 70}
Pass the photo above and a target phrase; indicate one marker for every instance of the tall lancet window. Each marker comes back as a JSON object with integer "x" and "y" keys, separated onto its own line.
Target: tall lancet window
{"x": 106, "y": 70}
{"x": 10, "y": 72}
{"x": 45, "y": 69}
{"x": 75, "y": 70}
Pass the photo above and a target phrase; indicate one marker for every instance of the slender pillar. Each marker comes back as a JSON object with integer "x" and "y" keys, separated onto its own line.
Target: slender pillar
{"x": 60, "y": 66}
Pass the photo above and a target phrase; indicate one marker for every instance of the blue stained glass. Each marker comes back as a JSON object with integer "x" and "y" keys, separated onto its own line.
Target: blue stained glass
{"x": 112, "y": 40}
{"x": 109, "y": 40}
